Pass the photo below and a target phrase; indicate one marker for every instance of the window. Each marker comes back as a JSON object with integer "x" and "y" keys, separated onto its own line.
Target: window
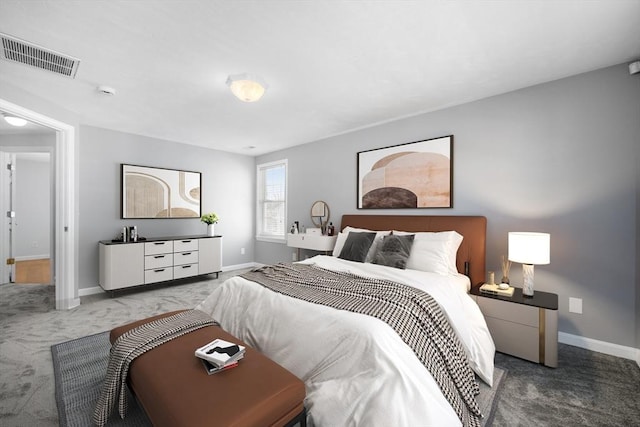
{"x": 271, "y": 191}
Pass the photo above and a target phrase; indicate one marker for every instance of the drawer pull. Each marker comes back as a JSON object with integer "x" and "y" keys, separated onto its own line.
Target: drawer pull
{"x": 159, "y": 243}
{"x": 159, "y": 256}
{"x": 186, "y": 241}
{"x": 160, "y": 270}
{"x": 186, "y": 253}
{"x": 186, "y": 266}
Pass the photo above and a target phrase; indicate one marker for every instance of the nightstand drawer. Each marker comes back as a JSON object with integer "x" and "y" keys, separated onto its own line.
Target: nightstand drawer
{"x": 505, "y": 310}
{"x": 515, "y": 339}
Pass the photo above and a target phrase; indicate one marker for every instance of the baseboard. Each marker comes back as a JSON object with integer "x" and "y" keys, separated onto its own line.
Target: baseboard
{"x": 90, "y": 291}
{"x": 241, "y": 266}
{"x": 31, "y": 257}
{"x": 98, "y": 290}
{"x": 600, "y": 346}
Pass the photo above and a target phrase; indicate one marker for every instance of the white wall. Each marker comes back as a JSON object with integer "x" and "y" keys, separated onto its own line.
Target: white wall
{"x": 560, "y": 157}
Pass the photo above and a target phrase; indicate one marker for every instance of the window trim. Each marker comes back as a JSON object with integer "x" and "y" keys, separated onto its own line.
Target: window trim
{"x": 259, "y": 191}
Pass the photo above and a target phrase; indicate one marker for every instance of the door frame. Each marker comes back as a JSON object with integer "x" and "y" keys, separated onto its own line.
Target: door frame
{"x": 65, "y": 212}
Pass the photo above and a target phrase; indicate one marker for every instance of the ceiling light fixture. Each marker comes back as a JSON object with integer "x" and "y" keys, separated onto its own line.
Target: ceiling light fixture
{"x": 14, "y": 120}
{"x": 247, "y": 87}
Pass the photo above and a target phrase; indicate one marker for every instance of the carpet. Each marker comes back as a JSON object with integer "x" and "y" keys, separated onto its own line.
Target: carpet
{"x": 80, "y": 365}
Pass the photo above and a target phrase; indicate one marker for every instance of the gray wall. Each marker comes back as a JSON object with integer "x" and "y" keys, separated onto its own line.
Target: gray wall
{"x": 560, "y": 157}
{"x": 228, "y": 182}
{"x": 33, "y": 206}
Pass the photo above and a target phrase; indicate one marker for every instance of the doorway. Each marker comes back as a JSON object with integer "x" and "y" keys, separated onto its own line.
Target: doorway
{"x": 27, "y": 186}
{"x": 63, "y": 248}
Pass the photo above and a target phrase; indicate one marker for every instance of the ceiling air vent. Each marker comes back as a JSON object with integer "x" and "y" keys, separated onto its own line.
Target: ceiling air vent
{"x": 16, "y": 50}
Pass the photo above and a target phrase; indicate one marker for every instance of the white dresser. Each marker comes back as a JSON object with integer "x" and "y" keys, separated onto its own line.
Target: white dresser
{"x": 123, "y": 265}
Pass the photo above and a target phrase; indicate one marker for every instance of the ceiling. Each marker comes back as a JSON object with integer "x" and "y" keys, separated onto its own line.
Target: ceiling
{"x": 332, "y": 66}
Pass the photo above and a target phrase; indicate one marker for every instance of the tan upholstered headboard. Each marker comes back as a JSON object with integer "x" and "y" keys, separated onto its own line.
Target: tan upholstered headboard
{"x": 472, "y": 228}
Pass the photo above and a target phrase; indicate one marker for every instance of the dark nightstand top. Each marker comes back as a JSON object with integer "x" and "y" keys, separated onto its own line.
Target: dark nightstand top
{"x": 539, "y": 299}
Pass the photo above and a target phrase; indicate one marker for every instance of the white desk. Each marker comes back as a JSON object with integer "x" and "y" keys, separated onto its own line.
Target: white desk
{"x": 314, "y": 242}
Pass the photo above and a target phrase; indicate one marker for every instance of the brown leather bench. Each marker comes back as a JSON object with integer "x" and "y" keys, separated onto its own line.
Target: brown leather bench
{"x": 174, "y": 389}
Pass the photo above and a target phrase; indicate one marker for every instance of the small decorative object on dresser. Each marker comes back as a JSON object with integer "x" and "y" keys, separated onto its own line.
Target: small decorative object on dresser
{"x": 210, "y": 219}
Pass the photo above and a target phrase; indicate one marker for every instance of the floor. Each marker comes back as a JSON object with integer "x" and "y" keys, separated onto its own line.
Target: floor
{"x": 33, "y": 271}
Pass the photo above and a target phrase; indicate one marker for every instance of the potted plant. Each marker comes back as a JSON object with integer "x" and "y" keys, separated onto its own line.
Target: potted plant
{"x": 210, "y": 219}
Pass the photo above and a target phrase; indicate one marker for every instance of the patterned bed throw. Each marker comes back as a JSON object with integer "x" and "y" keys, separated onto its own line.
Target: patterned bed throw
{"x": 132, "y": 344}
{"x": 412, "y": 313}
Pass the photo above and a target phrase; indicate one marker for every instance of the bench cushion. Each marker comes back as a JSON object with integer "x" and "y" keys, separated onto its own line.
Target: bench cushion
{"x": 174, "y": 389}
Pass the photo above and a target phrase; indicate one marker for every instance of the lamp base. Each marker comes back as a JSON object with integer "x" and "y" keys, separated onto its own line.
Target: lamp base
{"x": 527, "y": 282}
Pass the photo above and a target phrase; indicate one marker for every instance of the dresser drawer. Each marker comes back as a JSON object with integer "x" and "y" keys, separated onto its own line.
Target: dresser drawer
{"x": 187, "y": 270}
{"x": 159, "y": 247}
{"x": 158, "y": 261}
{"x": 505, "y": 310}
{"x": 158, "y": 275}
{"x": 185, "y": 245}
{"x": 181, "y": 258}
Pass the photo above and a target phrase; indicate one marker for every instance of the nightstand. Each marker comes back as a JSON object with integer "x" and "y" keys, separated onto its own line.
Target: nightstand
{"x": 314, "y": 242}
{"x": 525, "y": 327}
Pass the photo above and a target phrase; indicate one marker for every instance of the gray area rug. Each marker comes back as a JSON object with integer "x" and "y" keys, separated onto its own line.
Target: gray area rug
{"x": 79, "y": 368}
{"x": 80, "y": 365}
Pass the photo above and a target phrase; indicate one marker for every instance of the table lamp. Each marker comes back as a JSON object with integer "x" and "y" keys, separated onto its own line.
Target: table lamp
{"x": 529, "y": 249}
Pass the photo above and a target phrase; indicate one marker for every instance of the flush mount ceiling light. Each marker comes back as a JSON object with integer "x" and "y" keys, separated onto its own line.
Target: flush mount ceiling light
{"x": 247, "y": 87}
{"x": 14, "y": 120}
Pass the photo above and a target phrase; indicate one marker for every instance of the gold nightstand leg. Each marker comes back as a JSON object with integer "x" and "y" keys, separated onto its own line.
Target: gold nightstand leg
{"x": 541, "y": 338}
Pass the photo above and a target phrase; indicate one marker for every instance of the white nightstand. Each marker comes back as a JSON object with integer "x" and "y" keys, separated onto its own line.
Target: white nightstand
{"x": 314, "y": 242}
{"x": 526, "y": 327}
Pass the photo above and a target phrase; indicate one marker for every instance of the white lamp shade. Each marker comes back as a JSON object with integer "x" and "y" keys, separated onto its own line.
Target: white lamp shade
{"x": 529, "y": 248}
{"x": 247, "y": 87}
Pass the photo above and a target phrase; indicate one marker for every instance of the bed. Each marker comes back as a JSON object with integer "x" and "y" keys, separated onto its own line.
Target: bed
{"x": 359, "y": 369}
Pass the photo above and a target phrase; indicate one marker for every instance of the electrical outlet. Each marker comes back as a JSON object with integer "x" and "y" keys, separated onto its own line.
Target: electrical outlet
{"x": 293, "y": 256}
{"x": 575, "y": 305}
{"x": 241, "y": 251}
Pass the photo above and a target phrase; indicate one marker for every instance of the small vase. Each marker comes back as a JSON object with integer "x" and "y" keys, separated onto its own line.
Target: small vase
{"x": 210, "y": 230}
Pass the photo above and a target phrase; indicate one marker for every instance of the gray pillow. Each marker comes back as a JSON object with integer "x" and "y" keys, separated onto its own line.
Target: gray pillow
{"x": 394, "y": 251}
{"x": 356, "y": 246}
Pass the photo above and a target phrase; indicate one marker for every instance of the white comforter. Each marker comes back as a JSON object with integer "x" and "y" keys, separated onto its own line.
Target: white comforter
{"x": 356, "y": 369}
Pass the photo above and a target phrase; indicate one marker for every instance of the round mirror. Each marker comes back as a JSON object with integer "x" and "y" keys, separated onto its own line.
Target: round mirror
{"x": 320, "y": 214}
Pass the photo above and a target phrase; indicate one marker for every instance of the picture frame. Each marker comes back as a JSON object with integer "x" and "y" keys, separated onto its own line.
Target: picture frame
{"x": 153, "y": 192}
{"x": 414, "y": 175}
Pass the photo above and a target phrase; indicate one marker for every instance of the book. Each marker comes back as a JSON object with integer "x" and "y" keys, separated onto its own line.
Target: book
{"x": 220, "y": 352}
{"x": 212, "y": 369}
{"x": 495, "y": 290}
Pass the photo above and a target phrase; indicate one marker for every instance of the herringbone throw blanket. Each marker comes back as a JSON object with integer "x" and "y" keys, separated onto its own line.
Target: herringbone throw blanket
{"x": 412, "y": 313}
{"x": 132, "y": 344}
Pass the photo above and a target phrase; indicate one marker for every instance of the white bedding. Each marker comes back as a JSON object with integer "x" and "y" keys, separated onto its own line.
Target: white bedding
{"x": 356, "y": 369}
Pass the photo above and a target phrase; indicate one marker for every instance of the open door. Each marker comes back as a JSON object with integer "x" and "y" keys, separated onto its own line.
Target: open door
{"x": 7, "y": 261}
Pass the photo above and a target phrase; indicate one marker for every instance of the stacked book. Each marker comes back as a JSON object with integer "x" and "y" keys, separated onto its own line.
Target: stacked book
{"x": 494, "y": 289}
{"x": 220, "y": 355}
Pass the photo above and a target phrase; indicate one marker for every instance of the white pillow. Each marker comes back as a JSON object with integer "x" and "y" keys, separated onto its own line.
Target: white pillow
{"x": 342, "y": 237}
{"x": 434, "y": 252}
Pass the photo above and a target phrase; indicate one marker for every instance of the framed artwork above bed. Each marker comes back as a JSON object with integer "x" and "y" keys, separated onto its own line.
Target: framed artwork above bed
{"x": 407, "y": 176}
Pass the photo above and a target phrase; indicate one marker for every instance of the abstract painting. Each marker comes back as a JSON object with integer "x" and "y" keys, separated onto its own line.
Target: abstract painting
{"x": 149, "y": 192}
{"x": 407, "y": 176}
